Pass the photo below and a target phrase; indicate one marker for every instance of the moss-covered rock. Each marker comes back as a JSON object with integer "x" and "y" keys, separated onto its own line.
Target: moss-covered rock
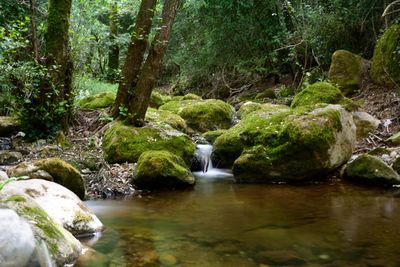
{"x": 202, "y": 115}
{"x": 394, "y": 139}
{"x": 250, "y": 107}
{"x": 369, "y": 169}
{"x": 8, "y": 125}
{"x": 125, "y": 143}
{"x": 297, "y": 146}
{"x": 102, "y": 100}
{"x": 229, "y": 146}
{"x": 321, "y": 92}
{"x": 347, "y": 70}
{"x": 162, "y": 170}
{"x": 365, "y": 123}
{"x": 64, "y": 174}
{"x": 157, "y": 99}
{"x": 267, "y": 93}
{"x": 165, "y": 119}
{"x": 210, "y": 136}
{"x": 385, "y": 68}
{"x": 191, "y": 97}
{"x": 62, "y": 246}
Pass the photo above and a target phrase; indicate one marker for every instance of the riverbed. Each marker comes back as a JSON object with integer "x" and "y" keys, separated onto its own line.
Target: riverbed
{"x": 220, "y": 223}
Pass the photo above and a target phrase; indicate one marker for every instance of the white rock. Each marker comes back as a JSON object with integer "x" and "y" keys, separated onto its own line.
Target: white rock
{"x": 3, "y": 176}
{"x": 62, "y": 205}
{"x": 17, "y": 241}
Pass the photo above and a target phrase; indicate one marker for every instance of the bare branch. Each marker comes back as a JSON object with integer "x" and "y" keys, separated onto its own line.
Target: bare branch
{"x": 386, "y": 12}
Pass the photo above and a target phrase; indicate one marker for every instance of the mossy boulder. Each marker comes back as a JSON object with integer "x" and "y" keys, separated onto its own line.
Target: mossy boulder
{"x": 320, "y": 92}
{"x": 268, "y": 93}
{"x": 162, "y": 170}
{"x": 229, "y": 145}
{"x": 385, "y": 67}
{"x": 125, "y": 143}
{"x": 394, "y": 139}
{"x": 157, "y": 99}
{"x": 211, "y": 136}
{"x": 102, "y": 100}
{"x": 8, "y": 125}
{"x": 165, "y": 119}
{"x": 191, "y": 96}
{"x": 287, "y": 146}
{"x": 203, "y": 115}
{"x": 347, "y": 71}
{"x": 369, "y": 169}
{"x": 52, "y": 169}
{"x": 62, "y": 246}
{"x": 365, "y": 123}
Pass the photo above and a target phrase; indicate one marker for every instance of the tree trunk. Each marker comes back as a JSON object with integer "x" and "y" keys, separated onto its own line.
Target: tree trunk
{"x": 136, "y": 50}
{"x": 34, "y": 40}
{"x": 113, "y": 55}
{"x": 141, "y": 95}
{"x": 58, "y": 60}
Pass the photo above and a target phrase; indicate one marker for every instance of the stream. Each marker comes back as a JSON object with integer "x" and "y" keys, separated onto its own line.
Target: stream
{"x": 221, "y": 224}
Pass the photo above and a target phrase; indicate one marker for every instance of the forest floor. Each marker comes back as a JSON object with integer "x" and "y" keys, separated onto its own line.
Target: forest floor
{"x": 82, "y": 146}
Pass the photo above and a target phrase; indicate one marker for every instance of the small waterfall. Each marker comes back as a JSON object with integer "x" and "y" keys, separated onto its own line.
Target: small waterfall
{"x": 204, "y": 156}
{"x": 205, "y": 166}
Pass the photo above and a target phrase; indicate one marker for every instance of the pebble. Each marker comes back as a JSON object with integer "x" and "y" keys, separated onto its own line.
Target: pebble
{"x": 168, "y": 259}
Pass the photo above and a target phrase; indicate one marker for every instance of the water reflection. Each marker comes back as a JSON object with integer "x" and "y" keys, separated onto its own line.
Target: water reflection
{"x": 220, "y": 223}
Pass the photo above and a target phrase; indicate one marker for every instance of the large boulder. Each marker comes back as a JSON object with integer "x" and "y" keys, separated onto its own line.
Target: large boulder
{"x": 62, "y": 205}
{"x": 165, "y": 118}
{"x": 385, "y": 68}
{"x": 202, "y": 115}
{"x": 369, "y": 169}
{"x": 365, "y": 123}
{"x": 347, "y": 70}
{"x": 102, "y": 100}
{"x": 230, "y": 144}
{"x": 294, "y": 146}
{"x": 125, "y": 143}
{"x": 320, "y": 92}
{"x": 53, "y": 169}
{"x": 16, "y": 239}
{"x": 162, "y": 169}
{"x": 249, "y": 107}
{"x": 157, "y": 99}
{"x": 8, "y": 125}
{"x": 62, "y": 247}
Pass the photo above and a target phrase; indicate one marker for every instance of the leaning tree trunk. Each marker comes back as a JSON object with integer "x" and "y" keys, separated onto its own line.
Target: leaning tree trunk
{"x": 113, "y": 55}
{"x": 58, "y": 93}
{"x": 141, "y": 96}
{"x": 136, "y": 50}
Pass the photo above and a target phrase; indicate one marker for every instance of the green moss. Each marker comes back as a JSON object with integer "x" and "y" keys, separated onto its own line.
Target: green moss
{"x": 191, "y": 97}
{"x": 162, "y": 169}
{"x": 371, "y": 169}
{"x": 64, "y": 174}
{"x": 165, "y": 119}
{"x": 210, "y": 136}
{"x": 125, "y": 143}
{"x": 102, "y": 100}
{"x": 379, "y": 151}
{"x": 15, "y": 198}
{"x": 81, "y": 218}
{"x": 250, "y": 107}
{"x": 157, "y": 99}
{"x": 346, "y": 70}
{"x": 385, "y": 68}
{"x": 267, "y": 93}
{"x": 321, "y": 92}
{"x": 202, "y": 115}
{"x": 8, "y": 125}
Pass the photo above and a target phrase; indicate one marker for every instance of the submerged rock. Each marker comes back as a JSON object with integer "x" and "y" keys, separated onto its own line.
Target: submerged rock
{"x": 53, "y": 169}
{"x": 365, "y": 123}
{"x": 125, "y": 143}
{"x": 385, "y": 68}
{"x": 347, "y": 70}
{"x": 320, "y": 92}
{"x": 62, "y": 246}
{"x": 8, "y": 125}
{"x": 202, "y": 115}
{"x": 102, "y": 100}
{"x": 369, "y": 169}
{"x": 292, "y": 146}
{"x": 16, "y": 240}
{"x": 162, "y": 169}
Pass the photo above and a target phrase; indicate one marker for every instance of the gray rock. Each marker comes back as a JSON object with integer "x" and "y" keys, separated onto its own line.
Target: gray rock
{"x": 3, "y": 176}
{"x": 9, "y": 157}
{"x": 17, "y": 240}
{"x": 365, "y": 123}
{"x": 369, "y": 169}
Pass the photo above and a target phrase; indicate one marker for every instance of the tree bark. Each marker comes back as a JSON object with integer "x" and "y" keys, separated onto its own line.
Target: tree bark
{"x": 59, "y": 62}
{"x": 113, "y": 55}
{"x": 141, "y": 96}
{"x": 134, "y": 58}
{"x": 34, "y": 40}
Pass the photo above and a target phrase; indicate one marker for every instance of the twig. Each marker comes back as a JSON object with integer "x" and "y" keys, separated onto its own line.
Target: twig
{"x": 385, "y": 13}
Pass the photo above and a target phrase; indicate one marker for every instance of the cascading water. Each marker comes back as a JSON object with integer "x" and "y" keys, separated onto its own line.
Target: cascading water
{"x": 203, "y": 155}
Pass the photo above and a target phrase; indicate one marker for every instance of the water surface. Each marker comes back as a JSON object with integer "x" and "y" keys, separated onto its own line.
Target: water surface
{"x": 221, "y": 224}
